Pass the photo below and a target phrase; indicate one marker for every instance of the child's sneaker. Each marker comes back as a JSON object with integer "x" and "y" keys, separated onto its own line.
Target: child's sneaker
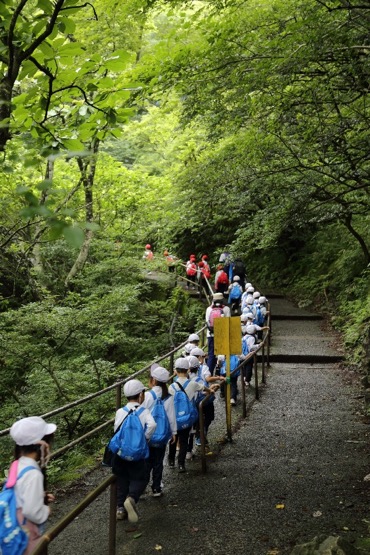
{"x": 130, "y": 507}
{"x": 157, "y": 493}
{"x": 232, "y": 402}
{"x": 171, "y": 463}
{"x": 182, "y": 469}
{"x": 198, "y": 442}
{"x": 189, "y": 455}
{"x": 121, "y": 513}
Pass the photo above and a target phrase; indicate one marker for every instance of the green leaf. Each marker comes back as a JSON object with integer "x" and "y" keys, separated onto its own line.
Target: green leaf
{"x": 74, "y": 236}
{"x": 73, "y": 145}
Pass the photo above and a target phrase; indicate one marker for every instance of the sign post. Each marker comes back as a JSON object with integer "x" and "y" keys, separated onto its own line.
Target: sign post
{"x": 228, "y": 341}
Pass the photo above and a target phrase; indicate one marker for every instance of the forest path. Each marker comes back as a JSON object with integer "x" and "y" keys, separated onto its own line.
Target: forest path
{"x": 294, "y": 470}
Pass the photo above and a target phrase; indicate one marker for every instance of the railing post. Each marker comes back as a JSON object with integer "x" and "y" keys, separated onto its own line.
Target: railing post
{"x": 112, "y": 518}
{"x": 244, "y": 408}
{"x": 263, "y": 379}
{"x": 202, "y": 438}
{"x": 118, "y": 396}
{"x": 171, "y": 363}
{"x": 255, "y": 376}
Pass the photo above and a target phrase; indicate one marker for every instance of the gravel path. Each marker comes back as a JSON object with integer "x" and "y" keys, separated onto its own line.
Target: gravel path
{"x": 295, "y": 469}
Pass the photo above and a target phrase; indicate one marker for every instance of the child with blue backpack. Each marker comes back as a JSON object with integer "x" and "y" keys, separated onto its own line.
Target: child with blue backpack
{"x": 248, "y": 345}
{"x": 134, "y": 426}
{"x": 184, "y": 391}
{"x": 221, "y": 372}
{"x": 161, "y": 405}
{"x": 235, "y": 294}
{"x": 22, "y": 527}
{"x": 204, "y": 375}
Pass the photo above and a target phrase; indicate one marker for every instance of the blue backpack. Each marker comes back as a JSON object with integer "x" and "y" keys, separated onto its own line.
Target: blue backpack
{"x": 130, "y": 442}
{"x": 259, "y": 318}
{"x": 185, "y": 410}
{"x": 13, "y": 539}
{"x": 234, "y": 363}
{"x": 235, "y": 293}
{"x": 201, "y": 394}
{"x": 163, "y": 431}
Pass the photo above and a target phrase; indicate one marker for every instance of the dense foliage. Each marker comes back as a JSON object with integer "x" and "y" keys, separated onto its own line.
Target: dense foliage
{"x": 192, "y": 126}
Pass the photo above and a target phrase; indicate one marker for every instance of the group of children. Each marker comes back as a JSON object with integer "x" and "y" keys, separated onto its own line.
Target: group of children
{"x": 165, "y": 416}
{"x": 194, "y": 381}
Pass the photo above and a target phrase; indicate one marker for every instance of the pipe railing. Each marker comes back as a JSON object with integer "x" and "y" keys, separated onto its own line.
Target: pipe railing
{"x": 42, "y": 546}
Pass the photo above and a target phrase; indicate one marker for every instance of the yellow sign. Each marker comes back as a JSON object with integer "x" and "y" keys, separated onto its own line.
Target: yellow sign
{"x": 221, "y": 333}
{"x": 235, "y": 336}
{"x": 228, "y": 336}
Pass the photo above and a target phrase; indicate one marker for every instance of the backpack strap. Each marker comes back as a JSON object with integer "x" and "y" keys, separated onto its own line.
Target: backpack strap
{"x": 10, "y": 483}
{"x": 154, "y": 395}
{"x": 182, "y": 388}
{"x": 139, "y": 410}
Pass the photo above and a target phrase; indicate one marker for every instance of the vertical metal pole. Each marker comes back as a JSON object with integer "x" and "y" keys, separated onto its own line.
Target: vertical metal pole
{"x": 263, "y": 364}
{"x": 112, "y": 518}
{"x": 202, "y": 438}
{"x": 255, "y": 376}
{"x": 244, "y": 407}
{"x": 118, "y": 396}
{"x": 228, "y": 399}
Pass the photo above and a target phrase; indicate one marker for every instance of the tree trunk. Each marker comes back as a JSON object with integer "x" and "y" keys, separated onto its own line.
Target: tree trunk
{"x": 87, "y": 169}
{"x": 357, "y": 236}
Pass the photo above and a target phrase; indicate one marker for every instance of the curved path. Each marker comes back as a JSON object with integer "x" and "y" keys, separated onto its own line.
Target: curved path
{"x": 295, "y": 468}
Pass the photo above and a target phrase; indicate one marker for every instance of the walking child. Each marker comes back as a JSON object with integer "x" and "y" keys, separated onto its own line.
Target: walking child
{"x": 132, "y": 475}
{"x": 32, "y": 437}
{"x": 165, "y": 418}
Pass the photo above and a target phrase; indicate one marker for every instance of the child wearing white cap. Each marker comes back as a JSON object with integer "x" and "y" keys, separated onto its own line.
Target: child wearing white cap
{"x": 159, "y": 377}
{"x": 32, "y": 437}
{"x": 191, "y": 388}
{"x": 132, "y": 476}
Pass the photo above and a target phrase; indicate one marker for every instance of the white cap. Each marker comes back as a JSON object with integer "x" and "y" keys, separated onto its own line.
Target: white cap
{"x": 193, "y": 362}
{"x": 251, "y": 330}
{"x": 31, "y": 430}
{"x": 197, "y": 352}
{"x": 262, "y": 300}
{"x": 133, "y": 388}
{"x": 247, "y": 285}
{"x": 236, "y": 278}
{"x": 218, "y": 297}
{"x": 221, "y": 358}
{"x": 188, "y": 348}
{"x": 249, "y": 315}
{"x": 249, "y": 299}
{"x": 193, "y": 337}
{"x": 182, "y": 364}
{"x": 250, "y": 289}
{"x": 243, "y": 317}
{"x": 160, "y": 374}
{"x": 256, "y": 295}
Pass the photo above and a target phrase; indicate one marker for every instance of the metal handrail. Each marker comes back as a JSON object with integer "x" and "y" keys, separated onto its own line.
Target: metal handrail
{"x": 110, "y": 387}
{"x": 54, "y": 531}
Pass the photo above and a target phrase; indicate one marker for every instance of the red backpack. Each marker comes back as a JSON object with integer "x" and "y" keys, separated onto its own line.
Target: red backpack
{"x": 191, "y": 268}
{"x": 222, "y": 278}
{"x": 216, "y": 312}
